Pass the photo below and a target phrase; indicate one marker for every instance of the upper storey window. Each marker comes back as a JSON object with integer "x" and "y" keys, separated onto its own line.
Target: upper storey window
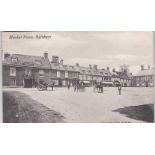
{"x": 14, "y": 60}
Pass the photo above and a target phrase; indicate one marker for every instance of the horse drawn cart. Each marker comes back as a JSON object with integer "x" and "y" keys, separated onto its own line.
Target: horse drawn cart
{"x": 42, "y": 86}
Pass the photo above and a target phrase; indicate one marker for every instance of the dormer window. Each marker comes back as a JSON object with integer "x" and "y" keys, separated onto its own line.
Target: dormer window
{"x": 14, "y": 60}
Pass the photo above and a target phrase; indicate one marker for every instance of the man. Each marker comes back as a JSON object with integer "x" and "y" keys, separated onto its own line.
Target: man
{"x": 68, "y": 85}
{"x": 52, "y": 85}
{"x": 119, "y": 89}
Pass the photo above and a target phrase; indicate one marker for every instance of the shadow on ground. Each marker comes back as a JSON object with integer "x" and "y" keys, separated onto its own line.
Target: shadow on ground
{"x": 142, "y": 112}
{"x": 20, "y": 108}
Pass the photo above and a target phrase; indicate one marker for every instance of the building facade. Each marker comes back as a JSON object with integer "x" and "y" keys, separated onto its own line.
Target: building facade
{"x": 144, "y": 78}
{"x": 92, "y": 74}
{"x": 26, "y": 71}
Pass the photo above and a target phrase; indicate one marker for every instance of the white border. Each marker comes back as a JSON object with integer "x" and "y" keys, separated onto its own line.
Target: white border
{"x": 91, "y": 139}
{"x": 1, "y": 102}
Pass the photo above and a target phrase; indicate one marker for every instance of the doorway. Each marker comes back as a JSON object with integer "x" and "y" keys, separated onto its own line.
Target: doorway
{"x": 28, "y": 83}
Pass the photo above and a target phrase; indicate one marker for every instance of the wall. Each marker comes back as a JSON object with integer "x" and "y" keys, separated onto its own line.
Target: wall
{"x": 19, "y": 76}
{"x": 6, "y": 75}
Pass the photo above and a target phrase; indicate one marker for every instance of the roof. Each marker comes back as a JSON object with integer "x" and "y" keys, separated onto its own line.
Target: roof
{"x": 27, "y": 60}
{"x": 58, "y": 66}
{"x": 145, "y": 72}
{"x": 93, "y": 71}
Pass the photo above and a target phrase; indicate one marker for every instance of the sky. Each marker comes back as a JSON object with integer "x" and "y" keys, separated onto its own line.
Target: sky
{"x": 102, "y": 48}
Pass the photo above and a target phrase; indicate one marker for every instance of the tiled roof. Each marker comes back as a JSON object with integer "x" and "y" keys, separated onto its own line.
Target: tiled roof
{"x": 26, "y": 60}
{"x": 145, "y": 72}
{"x": 92, "y": 71}
{"x": 61, "y": 67}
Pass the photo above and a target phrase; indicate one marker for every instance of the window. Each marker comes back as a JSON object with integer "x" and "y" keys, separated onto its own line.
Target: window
{"x": 58, "y": 74}
{"x": 14, "y": 60}
{"x": 66, "y": 74}
{"x": 27, "y": 72}
{"x": 12, "y": 82}
{"x": 12, "y": 71}
{"x": 41, "y": 72}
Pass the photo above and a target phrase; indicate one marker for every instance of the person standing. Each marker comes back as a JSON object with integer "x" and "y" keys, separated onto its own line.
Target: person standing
{"x": 68, "y": 85}
{"x": 119, "y": 89}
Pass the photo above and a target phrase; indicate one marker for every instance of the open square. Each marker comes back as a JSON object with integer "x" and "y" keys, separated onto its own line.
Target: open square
{"x": 134, "y": 105}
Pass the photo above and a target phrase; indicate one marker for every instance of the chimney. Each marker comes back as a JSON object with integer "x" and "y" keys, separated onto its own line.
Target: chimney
{"x": 77, "y": 64}
{"x": 107, "y": 68}
{"x": 61, "y": 61}
{"x": 149, "y": 67}
{"x": 55, "y": 59}
{"x": 142, "y": 67}
{"x": 45, "y": 55}
{"x": 95, "y": 67}
{"x": 113, "y": 70}
{"x": 90, "y": 66}
{"x": 6, "y": 55}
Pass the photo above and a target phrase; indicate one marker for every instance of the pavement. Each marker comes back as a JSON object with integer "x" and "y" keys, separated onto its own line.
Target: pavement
{"x": 91, "y": 107}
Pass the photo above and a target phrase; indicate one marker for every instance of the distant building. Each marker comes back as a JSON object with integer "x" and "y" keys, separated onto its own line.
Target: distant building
{"x": 61, "y": 74}
{"x": 144, "y": 78}
{"x": 123, "y": 76}
{"x": 92, "y": 74}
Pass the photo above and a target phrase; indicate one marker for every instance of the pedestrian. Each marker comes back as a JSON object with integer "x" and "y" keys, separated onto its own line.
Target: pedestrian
{"x": 75, "y": 87}
{"x": 68, "y": 85}
{"x": 52, "y": 85}
{"x": 119, "y": 89}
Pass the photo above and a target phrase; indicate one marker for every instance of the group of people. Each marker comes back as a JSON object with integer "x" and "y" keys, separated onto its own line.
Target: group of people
{"x": 78, "y": 86}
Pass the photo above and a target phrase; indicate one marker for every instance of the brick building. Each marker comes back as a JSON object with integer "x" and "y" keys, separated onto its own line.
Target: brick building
{"x": 27, "y": 71}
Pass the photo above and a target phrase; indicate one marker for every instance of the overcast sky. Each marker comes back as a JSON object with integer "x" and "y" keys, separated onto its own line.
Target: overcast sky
{"x": 101, "y": 48}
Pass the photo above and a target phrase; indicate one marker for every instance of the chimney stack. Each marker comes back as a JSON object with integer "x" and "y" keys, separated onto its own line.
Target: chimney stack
{"x": 95, "y": 67}
{"x": 114, "y": 70}
{"x": 77, "y": 64}
{"x": 142, "y": 67}
{"x": 45, "y": 55}
{"x": 90, "y": 66}
{"x": 55, "y": 59}
{"x": 6, "y": 55}
{"x": 107, "y": 68}
{"x": 61, "y": 61}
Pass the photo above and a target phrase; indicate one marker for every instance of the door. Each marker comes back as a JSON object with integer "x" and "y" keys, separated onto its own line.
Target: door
{"x": 27, "y": 83}
{"x": 12, "y": 82}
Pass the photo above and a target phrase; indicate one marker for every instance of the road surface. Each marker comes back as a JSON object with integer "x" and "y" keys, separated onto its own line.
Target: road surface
{"x": 92, "y": 107}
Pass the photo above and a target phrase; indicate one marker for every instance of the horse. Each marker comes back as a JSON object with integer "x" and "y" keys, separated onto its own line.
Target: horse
{"x": 99, "y": 87}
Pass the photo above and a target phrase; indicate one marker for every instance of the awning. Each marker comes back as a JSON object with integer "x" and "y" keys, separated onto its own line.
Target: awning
{"x": 107, "y": 82}
{"x": 86, "y": 82}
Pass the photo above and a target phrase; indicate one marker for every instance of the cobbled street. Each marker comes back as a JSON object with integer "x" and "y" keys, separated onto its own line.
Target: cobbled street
{"x": 94, "y": 107}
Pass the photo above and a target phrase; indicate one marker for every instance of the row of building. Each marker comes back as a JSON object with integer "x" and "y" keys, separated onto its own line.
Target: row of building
{"x": 27, "y": 71}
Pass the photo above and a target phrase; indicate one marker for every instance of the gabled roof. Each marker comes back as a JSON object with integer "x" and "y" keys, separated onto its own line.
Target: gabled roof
{"x": 145, "y": 72}
{"x": 27, "y": 60}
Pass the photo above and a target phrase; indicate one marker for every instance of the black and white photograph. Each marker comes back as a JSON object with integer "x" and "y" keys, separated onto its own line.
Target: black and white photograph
{"x": 78, "y": 77}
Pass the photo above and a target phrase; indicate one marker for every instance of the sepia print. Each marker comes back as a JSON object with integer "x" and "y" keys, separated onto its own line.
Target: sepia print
{"x": 77, "y": 77}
